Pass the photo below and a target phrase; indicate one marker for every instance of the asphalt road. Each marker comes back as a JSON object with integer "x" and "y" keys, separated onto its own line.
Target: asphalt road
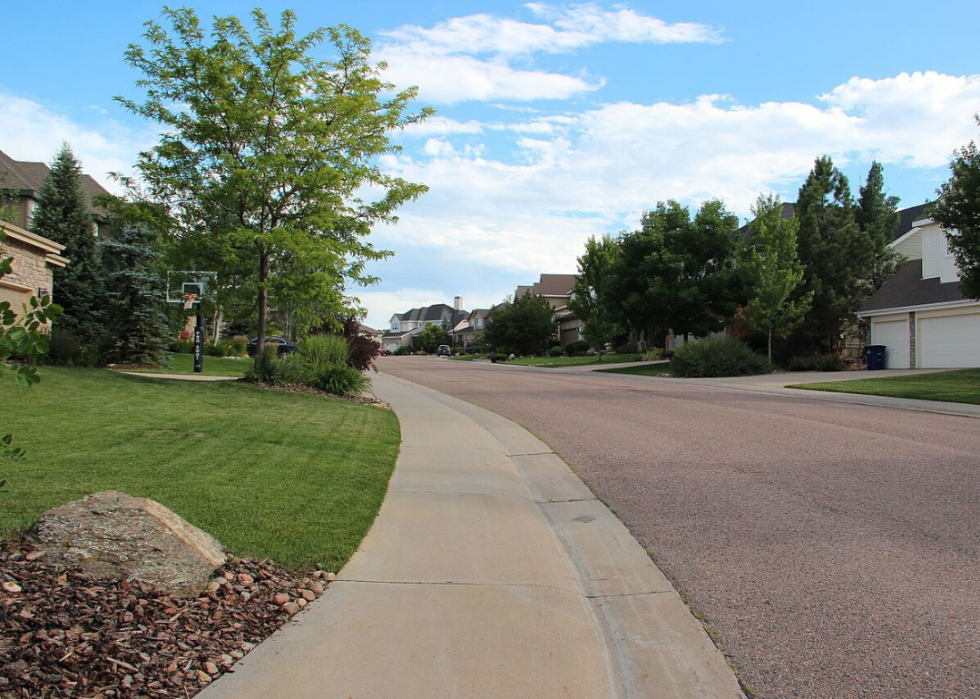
{"x": 833, "y": 548}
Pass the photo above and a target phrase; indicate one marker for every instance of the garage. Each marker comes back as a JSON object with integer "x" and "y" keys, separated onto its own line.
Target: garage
{"x": 894, "y": 335}
{"x": 951, "y": 341}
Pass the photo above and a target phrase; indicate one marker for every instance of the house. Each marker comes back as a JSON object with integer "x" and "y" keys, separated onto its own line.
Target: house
{"x": 34, "y": 260}
{"x": 20, "y": 186}
{"x": 466, "y": 330}
{"x": 557, "y": 290}
{"x": 369, "y": 332}
{"x": 920, "y": 315}
{"x": 404, "y": 326}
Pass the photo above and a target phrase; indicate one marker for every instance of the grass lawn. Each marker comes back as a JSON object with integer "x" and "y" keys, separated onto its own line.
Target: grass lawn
{"x": 955, "y": 386}
{"x": 468, "y": 357}
{"x": 291, "y": 476}
{"x": 645, "y": 370}
{"x": 213, "y": 366}
{"x": 551, "y": 362}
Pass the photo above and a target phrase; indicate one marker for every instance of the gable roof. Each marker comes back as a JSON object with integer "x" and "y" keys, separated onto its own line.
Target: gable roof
{"x": 906, "y": 217}
{"x": 907, "y": 288}
{"x": 555, "y": 284}
{"x": 28, "y": 177}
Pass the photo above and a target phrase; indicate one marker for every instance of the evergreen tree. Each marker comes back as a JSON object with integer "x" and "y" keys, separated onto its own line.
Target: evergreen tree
{"x": 135, "y": 304}
{"x": 772, "y": 264}
{"x": 877, "y": 216}
{"x": 589, "y": 300}
{"x": 836, "y": 254}
{"x": 958, "y": 211}
{"x": 61, "y": 216}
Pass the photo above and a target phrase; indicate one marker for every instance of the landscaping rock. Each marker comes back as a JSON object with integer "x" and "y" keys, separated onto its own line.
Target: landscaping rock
{"x": 114, "y": 536}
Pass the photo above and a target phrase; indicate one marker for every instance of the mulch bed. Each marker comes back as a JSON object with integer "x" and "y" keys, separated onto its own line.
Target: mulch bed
{"x": 63, "y": 634}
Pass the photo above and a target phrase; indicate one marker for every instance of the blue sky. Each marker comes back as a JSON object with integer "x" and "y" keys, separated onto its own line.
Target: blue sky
{"x": 559, "y": 121}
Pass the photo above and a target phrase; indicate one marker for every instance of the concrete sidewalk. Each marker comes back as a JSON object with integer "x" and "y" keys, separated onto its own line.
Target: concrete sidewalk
{"x": 491, "y": 571}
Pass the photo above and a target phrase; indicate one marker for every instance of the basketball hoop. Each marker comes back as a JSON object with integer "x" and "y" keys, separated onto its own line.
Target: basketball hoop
{"x": 189, "y": 301}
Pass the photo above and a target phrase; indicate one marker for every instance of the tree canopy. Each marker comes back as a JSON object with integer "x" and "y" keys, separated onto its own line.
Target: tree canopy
{"x": 589, "y": 295}
{"x": 877, "y": 216}
{"x": 522, "y": 327}
{"x": 269, "y": 155}
{"x": 957, "y": 210}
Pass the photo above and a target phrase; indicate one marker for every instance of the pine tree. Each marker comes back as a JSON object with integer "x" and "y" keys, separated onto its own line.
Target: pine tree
{"x": 836, "y": 254}
{"x": 877, "y": 216}
{"x": 136, "y": 319}
{"x": 61, "y": 216}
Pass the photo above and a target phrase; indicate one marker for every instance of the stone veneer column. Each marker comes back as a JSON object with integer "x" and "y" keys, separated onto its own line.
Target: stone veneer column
{"x": 911, "y": 339}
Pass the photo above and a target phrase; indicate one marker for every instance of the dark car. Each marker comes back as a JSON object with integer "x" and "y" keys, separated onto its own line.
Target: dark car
{"x": 284, "y": 345}
{"x": 443, "y": 351}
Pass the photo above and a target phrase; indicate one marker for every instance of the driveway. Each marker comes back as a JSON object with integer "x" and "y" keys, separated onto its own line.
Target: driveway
{"x": 832, "y": 547}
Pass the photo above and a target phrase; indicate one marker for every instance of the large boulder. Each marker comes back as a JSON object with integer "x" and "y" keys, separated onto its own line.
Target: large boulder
{"x": 115, "y": 536}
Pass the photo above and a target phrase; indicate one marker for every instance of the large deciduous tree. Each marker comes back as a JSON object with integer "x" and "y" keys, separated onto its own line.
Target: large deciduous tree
{"x": 836, "y": 254}
{"x": 877, "y": 216}
{"x": 522, "y": 327}
{"x": 771, "y": 263}
{"x": 589, "y": 295}
{"x": 61, "y": 215}
{"x": 957, "y": 210}
{"x": 271, "y": 154}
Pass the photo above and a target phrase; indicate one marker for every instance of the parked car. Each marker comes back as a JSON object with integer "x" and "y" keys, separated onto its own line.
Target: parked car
{"x": 443, "y": 351}
{"x": 385, "y": 352}
{"x": 284, "y": 345}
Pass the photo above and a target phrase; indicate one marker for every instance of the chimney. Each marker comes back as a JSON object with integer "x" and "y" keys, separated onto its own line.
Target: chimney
{"x": 458, "y": 303}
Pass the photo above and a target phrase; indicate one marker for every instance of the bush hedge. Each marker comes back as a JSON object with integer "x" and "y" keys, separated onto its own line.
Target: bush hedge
{"x": 577, "y": 348}
{"x": 713, "y": 357}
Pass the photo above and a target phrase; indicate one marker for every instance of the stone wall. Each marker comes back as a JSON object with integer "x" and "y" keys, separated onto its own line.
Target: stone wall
{"x": 30, "y": 267}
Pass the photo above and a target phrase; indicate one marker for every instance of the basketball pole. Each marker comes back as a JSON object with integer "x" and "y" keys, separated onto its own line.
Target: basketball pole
{"x": 198, "y": 341}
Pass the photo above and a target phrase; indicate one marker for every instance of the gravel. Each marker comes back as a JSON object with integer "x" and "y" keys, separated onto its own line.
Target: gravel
{"x": 833, "y": 548}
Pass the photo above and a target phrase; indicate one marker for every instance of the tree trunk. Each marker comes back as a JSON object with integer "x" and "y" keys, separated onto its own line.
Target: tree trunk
{"x": 263, "y": 304}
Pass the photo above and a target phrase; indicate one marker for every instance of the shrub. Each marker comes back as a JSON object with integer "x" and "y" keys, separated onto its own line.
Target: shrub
{"x": 294, "y": 369}
{"x": 628, "y": 348}
{"x": 497, "y": 357}
{"x": 717, "y": 357}
{"x": 402, "y": 351}
{"x": 362, "y": 352}
{"x": 830, "y": 362}
{"x": 264, "y": 368}
{"x": 556, "y": 351}
{"x": 578, "y": 348}
{"x": 322, "y": 351}
{"x": 341, "y": 380}
{"x": 805, "y": 362}
{"x": 652, "y": 354}
{"x": 182, "y": 346}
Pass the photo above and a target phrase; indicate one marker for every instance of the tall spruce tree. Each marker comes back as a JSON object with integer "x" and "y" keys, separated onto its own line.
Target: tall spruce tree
{"x": 134, "y": 301}
{"x": 61, "y": 215}
{"x": 877, "y": 216}
{"x": 837, "y": 255}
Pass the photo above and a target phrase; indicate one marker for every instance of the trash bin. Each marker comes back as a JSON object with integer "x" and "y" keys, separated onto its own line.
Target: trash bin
{"x": 875, "y": 354}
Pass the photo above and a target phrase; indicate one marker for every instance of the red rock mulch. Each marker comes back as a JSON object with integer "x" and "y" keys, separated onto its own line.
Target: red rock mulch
{"x": 63, "y": 634}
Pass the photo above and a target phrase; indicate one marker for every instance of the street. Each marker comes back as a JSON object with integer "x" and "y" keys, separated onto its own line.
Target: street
{"x": 832, "y": 548}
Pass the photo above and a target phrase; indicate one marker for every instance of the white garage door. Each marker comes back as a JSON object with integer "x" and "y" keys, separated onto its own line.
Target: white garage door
{"x": 894, "y": 335}
{"x": 950, "y": 342}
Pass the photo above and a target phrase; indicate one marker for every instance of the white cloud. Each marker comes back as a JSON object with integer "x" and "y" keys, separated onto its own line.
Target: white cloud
{"x": 35, "y": 133}
{"x": 442, "y": 126}
{"x": 470, "y": 58}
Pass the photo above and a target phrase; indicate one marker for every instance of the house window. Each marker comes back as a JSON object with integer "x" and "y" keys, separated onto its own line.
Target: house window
{"x": 479, "y": 322}
{"x": 946, "y": 244}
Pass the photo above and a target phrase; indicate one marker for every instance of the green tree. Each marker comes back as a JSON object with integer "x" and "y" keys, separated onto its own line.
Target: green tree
{"x": 431, "y": 337}
{"x": 836, "y": 254}
{"x": 677, "y": 274}
{"x": 268, "y": 153}
{"x": 589, "y": 300}
{"x": 61, "y": 215}
{"x": 877, "y": 216}
{"x": 135, "y": 306}
{"x": 524, "y": 326}
{"x": 771, "y": 262}
{"x": 957, "y": 210}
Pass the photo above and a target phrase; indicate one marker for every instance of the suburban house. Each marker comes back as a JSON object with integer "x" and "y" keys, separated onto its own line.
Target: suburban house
{"x": 20, "y": 186}
{"x": 369, "y": 332}
{"x": 557, "y": 290}
{"x": 405, "y": 326}
{"x": 34, "y": 260}
{"x": 466, "y": 329}
{"x": 920, "y": 315}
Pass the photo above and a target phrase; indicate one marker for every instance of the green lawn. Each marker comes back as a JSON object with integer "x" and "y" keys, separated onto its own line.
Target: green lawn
{"x": 551, "y": 362}
{"x": 291, "y": 476}
{"x": 213, "y": 366}
{"x": 645, "y": 370}
{"x": 954, "y": 386}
